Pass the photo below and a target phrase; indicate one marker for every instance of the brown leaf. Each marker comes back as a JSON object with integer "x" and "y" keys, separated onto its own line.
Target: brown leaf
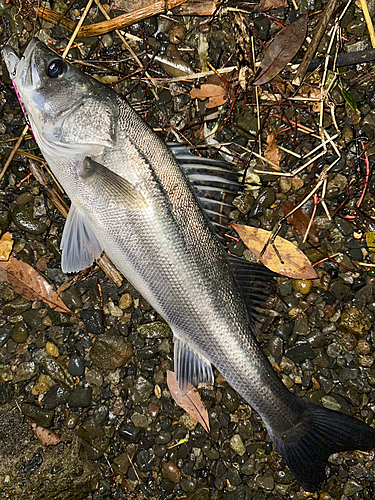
{"x": 26, "y": 281}
{"x": 300, "y": 221}
{"x": 272, "y": 151}
{"x": 191, "y": 401}
{"x": 47, "y": 437}
{"x": 6, "y": 245}
{"x": 265, "y": 5}
{"x": 214, "y": 93}
{"x": 284, "y": 47}
{"x": 294, "y": 263}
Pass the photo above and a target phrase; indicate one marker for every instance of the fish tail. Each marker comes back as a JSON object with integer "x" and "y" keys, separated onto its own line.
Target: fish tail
{"x": 320, "y": 432}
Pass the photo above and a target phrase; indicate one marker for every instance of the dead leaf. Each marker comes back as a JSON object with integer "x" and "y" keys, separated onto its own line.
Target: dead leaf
{"x": 272, "y": 151}
{"x": 48, "y": 438}
{"x": 191, "y": 402}
{"x": 26, "y": 281}
{"x": 300, "y": 221}
{"x": 214, "y": 93}
{"x": 6, "y": 245}
{"x": 284, "y": 47}
{"x": 265, "y": 5}
{"x": 295, "y": 263}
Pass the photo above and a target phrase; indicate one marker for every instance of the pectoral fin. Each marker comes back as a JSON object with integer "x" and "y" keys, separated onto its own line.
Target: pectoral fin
{"x": 190, "y": 367}
{"x": 79, "y": 244}
{"x": 107, "y": 183}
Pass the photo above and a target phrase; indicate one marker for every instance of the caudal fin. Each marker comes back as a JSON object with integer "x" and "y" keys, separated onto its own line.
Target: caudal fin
{"x": 321, "y": 432}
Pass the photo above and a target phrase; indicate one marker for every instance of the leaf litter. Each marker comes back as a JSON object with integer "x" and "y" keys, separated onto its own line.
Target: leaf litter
{"x": 287, "y": 259}
{"x": 27, "y": 282}
{"x": 191, "y": 402}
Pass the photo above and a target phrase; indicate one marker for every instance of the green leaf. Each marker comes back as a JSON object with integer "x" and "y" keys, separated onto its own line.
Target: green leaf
{"x": 349, "y": 98}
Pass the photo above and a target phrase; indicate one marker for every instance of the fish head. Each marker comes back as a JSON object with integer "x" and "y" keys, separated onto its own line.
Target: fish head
{"x": 69, "y": 112}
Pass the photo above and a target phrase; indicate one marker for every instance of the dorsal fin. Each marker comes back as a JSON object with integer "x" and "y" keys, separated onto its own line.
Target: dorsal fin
{"x": 256, "y": 283}
{"x": 215, "y": 182}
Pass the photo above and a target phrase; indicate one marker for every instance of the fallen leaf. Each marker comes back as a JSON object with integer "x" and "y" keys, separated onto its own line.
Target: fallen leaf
{"x": 300, "y": 221}
{"x": 265, "y": 5}
{"x": 294, "y": 263}
{"x": 272, "y": 151}
{"x": 48, "y": 438}
{"x": 26, "y": 281}
{"x": 284, "y": 47}
{"x": 191, "y": 402}
{"x": 214, "y": 93}
{"x": 6, "y": 245}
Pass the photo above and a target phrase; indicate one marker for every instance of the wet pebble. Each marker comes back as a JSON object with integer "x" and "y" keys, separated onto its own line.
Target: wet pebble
{"x": 237, "y": 445}
{"x": 76, "y": 366}
{"x": 140, "y": 420}
{"x": 143, "y": 389}
{"x": 354, "y": 321}
{"x": 23, "y": 219}
{"x": 55, "y": 396}
{"x": 19, "y": 333}
{"x": 110, "y": 351}
{"x": 121, "y": 463}
{"x": 230, "y": 399}
{"x": 80, "y": 397}
{"x": 300, "y": 351}
{"x": 125, "y": 301}
{"x": 266, "y": 482}
{"x": 348, "y": 341}
{"x": 72, "y": 299}
{"x": 52, "y": 349}
{"x": 339, "y": 289}
{"x": 6, "y": 374}
{"x": 93, "y": 320}
{"x": 171, "y": 472}
{"x": 40, "y": 416}
{"x": 129, "y": 432}
{"x": 6, "y": 392}
{"x": 57, "y": 372}
{"x": 156, "y": 330}
{"x": 5, "y": 334}
{"x": 302, "y": 286}
{"x": 25, "y": 371}
{"x": 352, "y": 487}
{"x": 363, "y": 346}
{"x": 100, "y": 415}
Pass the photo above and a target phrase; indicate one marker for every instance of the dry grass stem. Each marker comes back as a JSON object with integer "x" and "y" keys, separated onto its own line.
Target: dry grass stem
{"x": 14, "y": 151}
{"x": 77, "y": 28}
{"x": 368, "y": 20}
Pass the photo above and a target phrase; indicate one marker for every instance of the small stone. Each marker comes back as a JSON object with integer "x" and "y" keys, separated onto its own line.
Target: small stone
{"x": 230, "y": 399}
{"x": 55, "y": 396}
{"x": 93, "y": 320}
{"x": 363, "y": 346}
{"x": 114, "y": 310}
{"x": 140, "y": 420}
{"x": 285, "y": 184}
{"x": 266, "y": 482}
{"x": 129, "y": 432}
{"x": 156, "y": 330}
{"x": 6, "y": 374}
{"x": 352, "y": 487}
{"x": 52, "y": 349}
{"x": 5, "y": 334}
{"x": 297, "y": 183}
{"x": 57, "y": 372}
{"x": 110, "y": 351}
{"x": 94, "y": 377}
{"x": 354, "y": 321}
{"x": 39, "y": 415}
{"x": 76, "y": 366}
{"x": 348, "y": 341}
{"x": 19, "y": 333}
{"x": 25, "y": 371}
{"x": 171, "y": 471}
{"x": 188, "y": 422}
{"x": 125, "y": 301}
{"x": 329, "y": 310}
{"x": 300, "y": 351}
{"x": 72, "y": 298}
{"x": 23, "y": 219}
{"x": 80, "y": 397}
{"x": 121, "y": 463}
{"x": 237, "y": 445}
{"x": 177, "y": 33}
{"x": 143, "y": 389}
{"x": 333, "y": 350}
{"x": 302, "y": 286}
{"x": 330, "y": 403}
{"x": 100, "y": 415}
{"x": 6, "y": 392}
{"x": 365, "y": 361}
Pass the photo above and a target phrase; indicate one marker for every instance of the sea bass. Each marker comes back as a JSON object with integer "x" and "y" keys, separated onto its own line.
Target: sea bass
{"x": 131, "y": 198}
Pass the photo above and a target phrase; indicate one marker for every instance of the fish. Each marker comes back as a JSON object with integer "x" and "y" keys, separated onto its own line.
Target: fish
{"x": 144, "y": 204}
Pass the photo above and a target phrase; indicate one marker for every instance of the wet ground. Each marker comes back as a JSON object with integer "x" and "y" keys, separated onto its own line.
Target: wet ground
{"x": 98, "y": 380}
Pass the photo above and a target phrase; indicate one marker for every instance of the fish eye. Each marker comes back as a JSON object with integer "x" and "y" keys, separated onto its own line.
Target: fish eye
{"x": 56, "y": 68}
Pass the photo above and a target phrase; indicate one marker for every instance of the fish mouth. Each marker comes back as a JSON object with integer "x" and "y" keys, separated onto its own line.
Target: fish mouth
{"x": 22, "y": 71}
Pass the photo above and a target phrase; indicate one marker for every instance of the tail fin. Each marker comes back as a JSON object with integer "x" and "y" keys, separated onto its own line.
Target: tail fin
{"x": 306, "y": 447}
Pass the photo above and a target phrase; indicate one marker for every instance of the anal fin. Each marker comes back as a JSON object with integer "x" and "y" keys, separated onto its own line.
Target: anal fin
{"x": 191, "y": 368}
{"x": 79, "y": 244}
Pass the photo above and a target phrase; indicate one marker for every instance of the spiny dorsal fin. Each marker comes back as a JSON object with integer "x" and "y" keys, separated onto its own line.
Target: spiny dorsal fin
{"x": 256, "y": 283}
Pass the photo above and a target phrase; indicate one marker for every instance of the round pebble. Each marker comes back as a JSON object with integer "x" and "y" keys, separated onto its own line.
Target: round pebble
{"x": 76, "y": 366}
{"x": 237, "y": 445}
{"x": 52, "y": 349}
{"x": 302, "y": 286}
